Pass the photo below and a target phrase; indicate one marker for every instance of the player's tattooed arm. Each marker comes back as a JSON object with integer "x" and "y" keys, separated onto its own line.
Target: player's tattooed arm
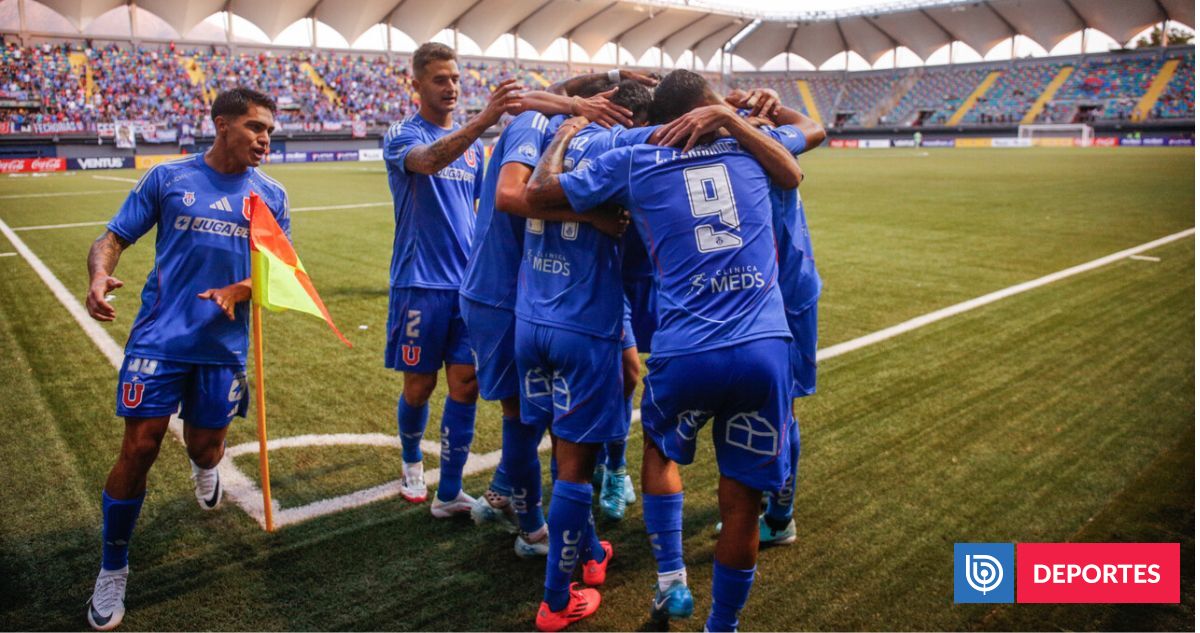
{"x": 431, "y": 158}
{"x": 544, "y": 190}
{"x": 510, "y": 198}
{"x": 701, "y": 122}
{"x": 102, "y": 261}
{"x": 228, "y": 297}
{"x": 572, "y": 86}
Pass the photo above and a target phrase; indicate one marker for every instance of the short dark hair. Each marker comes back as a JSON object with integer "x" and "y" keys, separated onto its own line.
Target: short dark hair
{"x": 634, "y": 97}
{"x": 236, "y": 102}
{"x": 592, "y": 87}
{"x": 431, "y": 52}
{"x": 677, "y": 94}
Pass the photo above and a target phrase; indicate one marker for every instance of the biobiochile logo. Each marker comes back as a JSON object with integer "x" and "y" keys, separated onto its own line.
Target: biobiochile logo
{"x": 1066, "y": 573}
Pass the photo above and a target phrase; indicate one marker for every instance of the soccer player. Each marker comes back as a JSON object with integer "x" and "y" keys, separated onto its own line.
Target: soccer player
{"x": 705, "y": 218}
{"x": 488, "y": 300}
{"x": 188, "y": 343}
{"x": 568, "y": 354}
{"x": 435, "y": 173}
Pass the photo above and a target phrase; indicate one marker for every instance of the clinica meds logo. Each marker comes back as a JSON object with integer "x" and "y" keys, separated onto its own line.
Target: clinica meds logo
{"x": 984, "y": 572}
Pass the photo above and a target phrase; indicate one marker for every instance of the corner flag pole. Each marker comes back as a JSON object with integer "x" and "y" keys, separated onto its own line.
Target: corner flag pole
{"x": 264, "y": 466}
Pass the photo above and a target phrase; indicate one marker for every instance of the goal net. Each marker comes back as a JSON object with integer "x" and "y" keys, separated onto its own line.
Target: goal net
{"x": 1057, "y": 134}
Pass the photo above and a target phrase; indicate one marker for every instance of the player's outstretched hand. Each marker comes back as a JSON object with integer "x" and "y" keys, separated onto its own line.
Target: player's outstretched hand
{"x": 610, "y": 221}
{"x": 762, "y": 102}
{"x": 506, "y": 98}
{"x": 228, "y": 297}
{"x": 599, "y": 110}
{"x": 691, "y": 127}
{"x": 98, "y": 306}
{"x": 649, "y": 81}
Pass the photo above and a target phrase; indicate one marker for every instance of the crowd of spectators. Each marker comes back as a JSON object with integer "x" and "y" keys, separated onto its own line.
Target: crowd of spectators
{"x": 39, "y": 85}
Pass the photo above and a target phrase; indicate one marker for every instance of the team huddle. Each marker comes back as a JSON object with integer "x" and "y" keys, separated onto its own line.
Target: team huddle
{"x": 619, "y": 214}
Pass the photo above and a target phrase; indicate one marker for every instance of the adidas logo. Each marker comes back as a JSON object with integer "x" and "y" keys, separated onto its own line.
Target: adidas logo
{"x": 221, "y": 205}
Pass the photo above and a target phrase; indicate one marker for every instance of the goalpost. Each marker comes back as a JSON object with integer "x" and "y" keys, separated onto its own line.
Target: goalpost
{"x": 1057, "y": 134}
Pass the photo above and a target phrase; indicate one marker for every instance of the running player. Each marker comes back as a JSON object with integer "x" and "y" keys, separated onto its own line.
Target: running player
{"x": 435, "y": 172}
{"x": 188, "y": 343}
{"x": 705, "y": 218}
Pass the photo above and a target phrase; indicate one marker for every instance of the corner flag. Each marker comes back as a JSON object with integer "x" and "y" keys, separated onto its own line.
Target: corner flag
{"x": 279, "y": 279}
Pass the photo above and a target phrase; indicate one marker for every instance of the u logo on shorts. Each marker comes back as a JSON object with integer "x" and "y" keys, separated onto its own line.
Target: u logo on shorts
{"x": 131, "y": 393}
{"x": 412, "y": 354}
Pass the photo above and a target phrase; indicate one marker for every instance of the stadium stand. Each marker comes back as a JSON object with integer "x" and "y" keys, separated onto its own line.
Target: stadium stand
{"x": 1013, "y": 94}
{"x": 1178, "y": 101}
{"x": 936, "y": 96}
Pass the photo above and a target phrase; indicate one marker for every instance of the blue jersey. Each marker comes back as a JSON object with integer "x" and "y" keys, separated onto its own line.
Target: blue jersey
{"x": 705, "y": 219}
{"x": 491, "y": 276}
{"x": 798, "y": 278}
{"x": 435, "y": 214}
{"x": 571, "y": 273}
{"x": 201, "y": 243}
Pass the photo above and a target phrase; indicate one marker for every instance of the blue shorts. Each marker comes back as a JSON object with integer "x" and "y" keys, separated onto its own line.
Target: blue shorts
{"x": 745, "y": 388}
{"x": 492, "y": 333}
{"x": 643, "y": 301}
{"x": 804, "y": 351}
{"x": 211, "y": 395}
{"x": 572, "y": 383}
{"x": 425, "y": 331}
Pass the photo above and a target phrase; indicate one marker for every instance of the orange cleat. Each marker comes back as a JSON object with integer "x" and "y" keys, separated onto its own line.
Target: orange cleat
{"x": 583, "y": 602}
{"x": 594, "y": 573}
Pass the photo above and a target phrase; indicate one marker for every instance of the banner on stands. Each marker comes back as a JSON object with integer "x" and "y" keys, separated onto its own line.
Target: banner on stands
{"x": 146, "y": 162}
{"x": 972, "y": 142}
{"x": 937, "y": 142}
{"x": 904, "y": 142}
{"x": 358, "y": 129}
{"x": 874, "y": 143}
{"x": 1011, "y": 142}
{"x": 1105, "y": 141}
{"x": 370, "y": 154}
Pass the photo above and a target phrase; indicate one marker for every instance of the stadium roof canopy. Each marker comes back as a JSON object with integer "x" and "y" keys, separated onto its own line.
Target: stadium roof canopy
{"x": 675, "y": 28}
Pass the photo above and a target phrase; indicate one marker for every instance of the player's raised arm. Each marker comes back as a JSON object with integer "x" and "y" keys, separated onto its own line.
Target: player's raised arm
{"x": 102, "y": 261}
{"x": 431, "y": 158}
{"x": 598, "y": 108}
{"x": 574, "y": 85}
{"x": 765, "y": 104}
{"x": 688, "y": 129}
{"x": 543, "y": 190}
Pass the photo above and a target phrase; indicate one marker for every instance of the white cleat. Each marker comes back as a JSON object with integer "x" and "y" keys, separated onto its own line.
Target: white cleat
{"x": 106, "y": 609}
{"x": 412, "y": 484}
{"x": 207, "y": 482}
{"x": 533, "y": 545}
{"x": 454, "y": 507}
{"x": 491, "y": 507}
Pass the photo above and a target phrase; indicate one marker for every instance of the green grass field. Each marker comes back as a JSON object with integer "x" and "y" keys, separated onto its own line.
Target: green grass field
{"x": 1060, "y": 414}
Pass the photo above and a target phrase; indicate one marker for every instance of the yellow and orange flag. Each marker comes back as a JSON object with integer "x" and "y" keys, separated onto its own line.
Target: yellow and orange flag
{"x": 279, "y": 279}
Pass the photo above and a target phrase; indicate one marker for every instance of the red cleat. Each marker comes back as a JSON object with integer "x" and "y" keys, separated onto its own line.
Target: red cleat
{"x": 594, "y": 573}
{"x": 582, "y": 603}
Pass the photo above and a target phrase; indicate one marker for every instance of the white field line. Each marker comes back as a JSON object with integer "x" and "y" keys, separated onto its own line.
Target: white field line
{"x": 116, "y": 178}
{"x": 336, "y": 207}
{"x": 246, "y": 495}
{"x": 1145, "y": 258}
{"x": 992, "y": 297}
{"x": 54, "y": 194}
{"x": 8, "y": 254}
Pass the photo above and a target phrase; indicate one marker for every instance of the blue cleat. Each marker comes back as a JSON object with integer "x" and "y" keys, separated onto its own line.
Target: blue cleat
{"x": 673, "y": 604}
{"x": 612, "y": 494}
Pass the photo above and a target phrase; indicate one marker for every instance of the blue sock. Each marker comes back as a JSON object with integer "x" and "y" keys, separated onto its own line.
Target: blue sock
{"x": 780, "y": 504}
{"x": 120, "y": 515}
{"x": 664, "y": 523}
{"x": 501, "y": 484}
{"x": 458, "y": 429}
{"x": 570, "y": 505}
{"x": 594, "y": 550}
{"x": 519, "y": 457}
{"x": 601, "y": 456}
{"x": 615, "y": 458}
{"x": 730, "y": 588}
{"x": 411, "y": 423}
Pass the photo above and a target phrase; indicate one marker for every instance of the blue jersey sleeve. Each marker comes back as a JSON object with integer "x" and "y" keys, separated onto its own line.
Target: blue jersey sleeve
{"x": 400, "y": 140}
{"x": 790, "y": 137}
{"x": 140, "y": 211}
{"x": 479, "y": 171}
{"x": 605, "y": 179}
{"x": 624, "y": 137}
{"x": 525, "y": 137}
